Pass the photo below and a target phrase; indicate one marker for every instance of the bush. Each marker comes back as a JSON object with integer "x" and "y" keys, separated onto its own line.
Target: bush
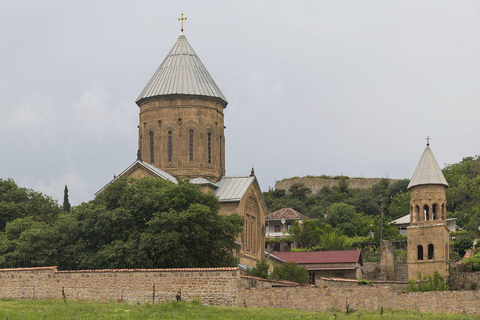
{"x": 261, "y": 270}
{"x": 427, "y": 283}
{"x": 291, "y": 271}
{"x": 362, "y": 282}
{"x": 474, "y": 261}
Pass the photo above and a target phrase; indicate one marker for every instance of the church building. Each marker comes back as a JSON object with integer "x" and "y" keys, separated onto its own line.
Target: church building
{"x": 181, "y": 135}
{"x": 428, "y": 235}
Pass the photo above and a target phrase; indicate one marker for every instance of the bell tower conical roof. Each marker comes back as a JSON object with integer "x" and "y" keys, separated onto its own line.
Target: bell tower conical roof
{"x": 182, "y": 73}
{"x": 427, "y": 171}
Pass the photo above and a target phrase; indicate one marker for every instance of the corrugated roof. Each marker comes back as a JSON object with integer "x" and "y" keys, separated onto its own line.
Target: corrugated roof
{"x": 319, "y": 257}
{"x": 233, "y": 188}
{"x": 182, "y": 73}
{"x": 427, "y": 171}
{"x": 286, "y": 213}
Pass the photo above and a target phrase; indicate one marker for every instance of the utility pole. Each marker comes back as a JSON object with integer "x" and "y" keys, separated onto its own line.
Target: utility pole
{"x": 380, "y": 233}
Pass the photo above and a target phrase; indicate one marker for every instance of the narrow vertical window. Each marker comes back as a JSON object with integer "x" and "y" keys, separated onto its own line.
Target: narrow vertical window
{"x": 190, "y": 144}
{"x": 221, "y": 160}
{"x": 430, "y": 251}
{"x": 420, "y": 252}
{"x": 170, "y": 146}
{"x": 140, "y": 145}
{"x": 151, "y": 147}
{"x": 209, "y": 147}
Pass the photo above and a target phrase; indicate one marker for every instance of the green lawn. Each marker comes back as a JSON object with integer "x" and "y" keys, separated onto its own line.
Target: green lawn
{"x": 35, "y": 309}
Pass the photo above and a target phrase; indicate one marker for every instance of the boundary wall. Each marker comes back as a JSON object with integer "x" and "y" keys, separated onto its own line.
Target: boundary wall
{"x": 217, "y": 286}
{"x": 340, "y": 294}
{"x": 225, "y": 287}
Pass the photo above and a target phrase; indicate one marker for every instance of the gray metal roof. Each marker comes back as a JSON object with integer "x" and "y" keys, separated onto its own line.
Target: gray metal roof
{"x": 427, "y": 171}
{"x": 203, "y": 181}
{"x": 182, "y": 73}
{"x": 233, "y": 188}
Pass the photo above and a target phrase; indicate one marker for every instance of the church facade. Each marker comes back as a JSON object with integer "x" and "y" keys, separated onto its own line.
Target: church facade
{"x": 428, "y": 236}
{"x": 181, "y": 135}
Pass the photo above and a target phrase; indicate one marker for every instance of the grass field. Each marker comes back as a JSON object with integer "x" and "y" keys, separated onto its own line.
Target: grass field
{"x": 35, "y": 309}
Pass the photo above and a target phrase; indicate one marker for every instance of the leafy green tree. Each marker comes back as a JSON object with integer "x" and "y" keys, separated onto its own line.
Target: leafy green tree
{"x": 399, "y": 205}
{"x": 66, "y": 202}
{"x": 332, "y": 239}
{"x": 462, "y": 242}
{"x": 473, "y": 261}
{"x": 428, "y": 283}
{"x": 261, "y": 270}
{"x": 290, "y": 271}
{"x": 307, "y": 233}
{"x": 299, "y": 191}
{"x": 344, "y": 216}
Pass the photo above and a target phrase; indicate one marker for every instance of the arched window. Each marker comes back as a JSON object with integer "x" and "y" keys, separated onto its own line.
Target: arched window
{"x": 209, "y": 147}
{"x": 170, "y": 146}
{"x": 430, "y": 251}
{"x": 151, "y": 147}
{"x": 426, "y": 212}
{"x": 190, "y": 145}
{"x": 435, "y": 211}
{"x": 221, "y": 162}
{"x": 420, "y": 252}
{"x": 417, "y": 213}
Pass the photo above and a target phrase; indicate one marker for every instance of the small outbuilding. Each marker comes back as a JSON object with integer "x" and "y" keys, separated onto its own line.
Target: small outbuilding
{"x": 329, "y": 264}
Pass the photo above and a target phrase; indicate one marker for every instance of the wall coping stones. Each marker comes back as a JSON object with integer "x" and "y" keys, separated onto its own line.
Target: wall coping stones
{"x": 119, "y": 270}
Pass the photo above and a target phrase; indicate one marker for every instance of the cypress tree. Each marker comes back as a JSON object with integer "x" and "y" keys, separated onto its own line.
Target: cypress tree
{"x": 66, "y": 203}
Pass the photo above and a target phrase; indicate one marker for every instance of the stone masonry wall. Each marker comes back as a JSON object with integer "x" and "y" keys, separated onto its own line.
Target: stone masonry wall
{"x": 316, "y": 184}
{"x": 465, "y": 280}
{"x": 330, "y": 296}
{"x": 217, "y": 286}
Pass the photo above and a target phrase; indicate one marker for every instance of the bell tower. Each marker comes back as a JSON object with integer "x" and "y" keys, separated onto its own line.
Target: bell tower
{"x": 427, "y": 235}
{"x": 181, "y": 128}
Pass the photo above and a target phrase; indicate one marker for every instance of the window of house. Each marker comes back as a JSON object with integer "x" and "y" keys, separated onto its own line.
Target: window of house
{"x": 266, "y": 229}
{"x": 289, "y": 225}
{"x": 151, "y": 147}
{"x": 170, "y": 146}
{"x": 277, "y": 228}
{"x": 209, "y": 147}
{"x": 190, "y": 144}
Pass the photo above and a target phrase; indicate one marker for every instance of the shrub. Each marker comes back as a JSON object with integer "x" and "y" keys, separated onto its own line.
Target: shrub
{"x": 291, "y": 271}
{"x": 261, "y": 270}
{"x": 362, "y": 282}
{"x": 427, "y": 283}
{"x": 474, "y": 261}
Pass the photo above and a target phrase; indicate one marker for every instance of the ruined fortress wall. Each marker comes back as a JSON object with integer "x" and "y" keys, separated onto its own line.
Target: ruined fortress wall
{"x": 218, "y": 286}
{"x": 465, "y": 280}
{"x": 330, "y": 296}
{"x": 317, "y": 183}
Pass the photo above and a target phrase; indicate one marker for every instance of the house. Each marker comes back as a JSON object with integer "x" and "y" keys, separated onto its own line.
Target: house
{"x": 277, "y": 225}
{"x": 403, "y": 222}
{"x": 338, "y": 264}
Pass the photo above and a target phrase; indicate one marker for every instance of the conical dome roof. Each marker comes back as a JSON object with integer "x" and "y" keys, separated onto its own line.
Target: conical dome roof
{"x": 182, "y": 73}
{"x": 427, "y": 171}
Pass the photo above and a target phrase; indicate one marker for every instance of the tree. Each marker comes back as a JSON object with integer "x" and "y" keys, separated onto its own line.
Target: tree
{"x": 290, "y": 271}
{"x": 261, "y": 270}
{"x": 299, "y": 191}
{"x": 344, "y": 217}
{"x": 66, "y": 203}
{"x": 133, "y": 223}
{"x": 307, "y": 233}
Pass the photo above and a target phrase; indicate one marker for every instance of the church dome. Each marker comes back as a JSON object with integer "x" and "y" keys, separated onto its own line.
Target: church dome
{"x": 182, "y": 73}
{"x": 427, "y": 171}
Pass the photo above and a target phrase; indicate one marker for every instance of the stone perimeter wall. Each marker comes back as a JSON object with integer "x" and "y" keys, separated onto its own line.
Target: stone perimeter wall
{"x": 330, "y": 295}
{"x": 316, "y": 184}
{"x": 217, "y": 286}
{"x": 225, "y": 286}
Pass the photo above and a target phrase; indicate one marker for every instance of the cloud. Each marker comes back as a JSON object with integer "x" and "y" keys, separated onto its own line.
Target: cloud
{"x": 103, "y": 118}
{"x": 78, "y": 189}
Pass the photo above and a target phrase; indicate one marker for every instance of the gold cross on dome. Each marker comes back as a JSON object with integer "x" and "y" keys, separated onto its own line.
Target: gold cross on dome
{"x": 181, "y": 19}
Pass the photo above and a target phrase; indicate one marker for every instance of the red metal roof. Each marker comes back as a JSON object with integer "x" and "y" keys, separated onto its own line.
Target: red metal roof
{"x": 341, "y": 256}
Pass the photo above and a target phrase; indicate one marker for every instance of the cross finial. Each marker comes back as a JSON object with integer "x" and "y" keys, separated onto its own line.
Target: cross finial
{"x": 428, "y": 140}
{"x": 181, "y": 19}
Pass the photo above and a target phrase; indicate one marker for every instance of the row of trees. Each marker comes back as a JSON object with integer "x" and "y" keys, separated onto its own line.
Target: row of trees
{"x": 134, "y": 223}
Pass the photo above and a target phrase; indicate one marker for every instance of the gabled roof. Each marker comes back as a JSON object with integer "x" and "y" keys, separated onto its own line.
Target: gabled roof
{"x": 148, "y": 167}
{"x": 203, "y": 181}
{"x": 319, "y": 257}
{"x": 286, "y": 213}
{"x": 233, "y": 188}
{"x": 182, "y": 73}
{"x": 427, "y": 171}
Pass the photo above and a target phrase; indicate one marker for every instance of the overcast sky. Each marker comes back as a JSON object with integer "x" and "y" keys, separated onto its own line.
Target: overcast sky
{"x": 314, "y": 87}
